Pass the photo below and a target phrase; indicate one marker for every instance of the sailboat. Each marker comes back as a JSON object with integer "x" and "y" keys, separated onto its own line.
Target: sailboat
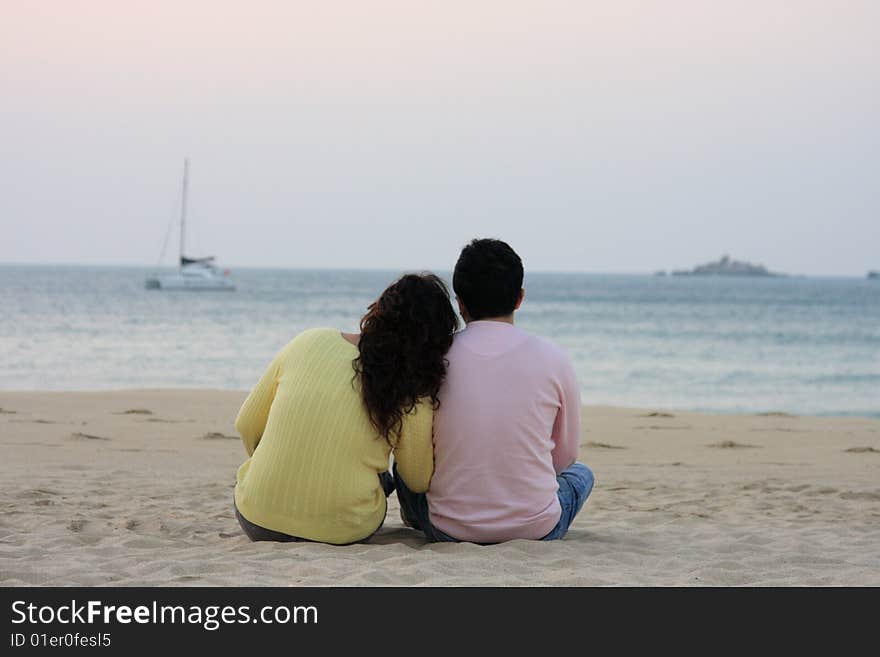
{"x": 192, "y": 273}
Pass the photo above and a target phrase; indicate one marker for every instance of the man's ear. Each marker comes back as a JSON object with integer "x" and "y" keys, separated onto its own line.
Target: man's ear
{"x": 522, "y": 295}
{"x": 465, "y": 315}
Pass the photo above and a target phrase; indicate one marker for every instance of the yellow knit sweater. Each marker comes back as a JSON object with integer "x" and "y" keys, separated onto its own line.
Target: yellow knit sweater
{"x": 314, "y": 455}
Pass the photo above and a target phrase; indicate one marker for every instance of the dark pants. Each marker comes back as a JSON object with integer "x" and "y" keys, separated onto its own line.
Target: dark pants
{"x": 414, "y": 511}
{"x": 257, "y": 533}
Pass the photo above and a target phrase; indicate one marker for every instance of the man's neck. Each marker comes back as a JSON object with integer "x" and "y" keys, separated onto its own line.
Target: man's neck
{"x": 506, "y": 319}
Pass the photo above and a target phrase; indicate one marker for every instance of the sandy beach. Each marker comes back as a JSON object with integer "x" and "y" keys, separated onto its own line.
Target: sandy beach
{"x": 134, "y": 488}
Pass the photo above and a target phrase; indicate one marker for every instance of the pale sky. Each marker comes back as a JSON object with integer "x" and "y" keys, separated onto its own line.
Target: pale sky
{"x": 614, "y": 136}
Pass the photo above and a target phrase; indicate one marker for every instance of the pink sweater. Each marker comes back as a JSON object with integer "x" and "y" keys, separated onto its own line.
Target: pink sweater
{"x": 508, "y": 423}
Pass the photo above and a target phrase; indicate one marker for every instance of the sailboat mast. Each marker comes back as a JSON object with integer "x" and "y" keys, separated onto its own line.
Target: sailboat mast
{"x": 183, "y": 207}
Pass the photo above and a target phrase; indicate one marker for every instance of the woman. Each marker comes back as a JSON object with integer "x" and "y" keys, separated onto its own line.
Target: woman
{"x": 322, "y": 421}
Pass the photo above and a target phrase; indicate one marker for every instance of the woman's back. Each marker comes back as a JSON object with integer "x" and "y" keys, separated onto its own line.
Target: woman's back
{"x": 315, "y": 455}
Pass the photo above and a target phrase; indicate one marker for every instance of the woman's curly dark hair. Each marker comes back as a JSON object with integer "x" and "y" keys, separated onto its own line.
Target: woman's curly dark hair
{"x": 405, "y": 335}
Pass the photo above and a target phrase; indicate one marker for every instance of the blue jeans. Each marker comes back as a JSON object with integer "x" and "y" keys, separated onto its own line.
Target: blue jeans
{"x": 575, "y": 485}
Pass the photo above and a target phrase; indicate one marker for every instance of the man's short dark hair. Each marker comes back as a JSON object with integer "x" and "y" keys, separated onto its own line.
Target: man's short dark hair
{"x": 488, "y": 278}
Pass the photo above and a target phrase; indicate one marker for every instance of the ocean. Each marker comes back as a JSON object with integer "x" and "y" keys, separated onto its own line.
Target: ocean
{"x": 794, "y": 345}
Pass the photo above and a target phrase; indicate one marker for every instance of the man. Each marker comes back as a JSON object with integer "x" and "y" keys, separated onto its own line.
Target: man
{"x": 507, "y": 431}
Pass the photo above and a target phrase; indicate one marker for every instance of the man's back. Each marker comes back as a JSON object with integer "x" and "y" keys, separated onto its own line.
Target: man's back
{"x": 508, "y": 423}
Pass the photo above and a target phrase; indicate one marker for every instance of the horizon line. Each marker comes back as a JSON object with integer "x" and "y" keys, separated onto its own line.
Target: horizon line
{"x": 655, "y": 272}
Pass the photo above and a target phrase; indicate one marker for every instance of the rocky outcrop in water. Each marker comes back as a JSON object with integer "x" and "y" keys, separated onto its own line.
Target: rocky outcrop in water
{"x": 727, "y": 267}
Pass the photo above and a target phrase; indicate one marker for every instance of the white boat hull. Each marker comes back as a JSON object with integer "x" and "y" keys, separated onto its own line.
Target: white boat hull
{"x": 180, "y": 283}
{"x": 195, "y": 277}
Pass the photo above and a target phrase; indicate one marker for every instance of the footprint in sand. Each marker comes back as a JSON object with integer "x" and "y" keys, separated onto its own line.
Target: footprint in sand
{"x": 729, "y": 444}
{"x": 43, "y": 496}
{"x": 38, "y": 492}
{"x": 76, "y": 526}
{"x": 135, "y": 411}
{"x": 862, "y": 450}
{"x": 86, "y": 436}
{"x": 657, "y": 427}
{"x": 132, "y": 524}
{"x": 826, "y": 490}
{"x": 656, "y": 414}
{"x": 213, "y": 435}
{"x": 138, "y": 449}
{"x": 591, "y": 443}
{"x": 860, "y": 495}
{"x": 6, "y": 411}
